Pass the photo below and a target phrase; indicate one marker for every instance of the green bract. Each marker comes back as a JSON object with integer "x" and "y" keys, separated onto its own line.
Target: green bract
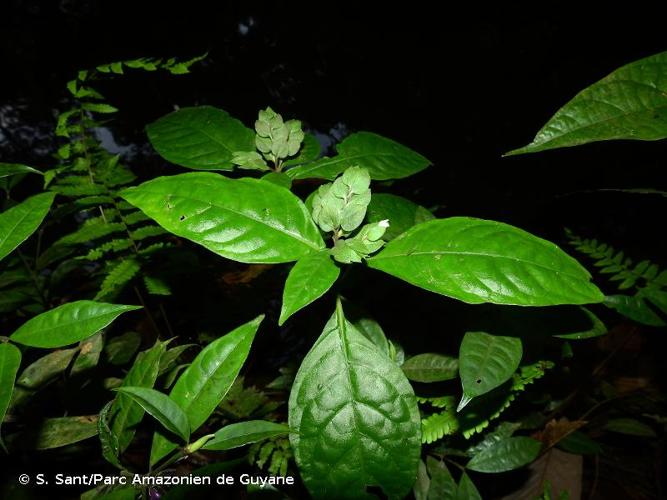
{"x": 342, "y": 204}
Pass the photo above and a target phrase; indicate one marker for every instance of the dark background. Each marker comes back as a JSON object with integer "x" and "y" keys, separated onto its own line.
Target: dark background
{"x": 459, "y": 86}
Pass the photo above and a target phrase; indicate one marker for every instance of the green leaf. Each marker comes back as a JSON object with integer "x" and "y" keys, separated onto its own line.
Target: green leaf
{"x": 308, "y": 280}
{"x": 438, "y": 425}
{"x": 162, "y": 408}
{"x": 9, "y": 169}
{"x": 367, "y": 241}
{"x": 401, "y": 213}
{"x": 505, "y": 455}
{"x": 10, "y": 360}
{"x": 467, "y": 489}
{"x": 580, "y": 444}
{"x": 630, "y": 103}
{"x": 383, "y": 158}
{"x": 247, "y": 220}
{"x": 430, "y": 367}
{"x": 421, "y": 486}
{"x": 201, "y": 387}
{"x": 635, "y": 308}
{"x": 242, "y": 433}
{"x": 279, "y": 179}
{"x": 119, "y": 276}
{"x": 202, "y": 138}
{"x": 127, "y": 413}
{"x": 68, "y": 323}
{"x": 20, "y": 221}
{"x": 486, "y": 362}
{"x": 57, "y": 432}
{"x": 108, "y": 440}
{"x": 597, "y": 328}
{"x": 250, "y": 160}
{"x": 372, "y": 330}
{"x": 89, "y": 354}
{"x": 352, "y": 406}
{"x": 477, "y": 261}
{"x": 43, "y": 369}
{"x": 443, "y": 486}
{"x": 119, "y": 350}
{"x": 631, "y": 427}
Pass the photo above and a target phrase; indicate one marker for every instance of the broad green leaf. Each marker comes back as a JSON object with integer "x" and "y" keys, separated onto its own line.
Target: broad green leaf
{"x": 656, "y": 296}
{"x": 202, "y": 138}
{"x": 477, "y": 261}
{"x": 631, "y": 427}
{"x": 467, "y": 489}
{"x": 597, "y": 328}
{"x": 127, "y": 413}
{"x": 630, "y": 103}
{"x": 486, "y": 362}
{"x": 635, "y": 308}
{"x": 68, "y": 323}
{"x": 430, "y": 367}
{"x": 310, "y": 151}
{"x": 201, "y": 387}
{"x": 246, "y": 220}
{"x": 108, "y": 440}
{"x": 242, "y": 433}
{"x": 354, "y": 418}
{"x": 383, "y": 158}
{"x": 20, "y": 221}
{"x": 8, "y": 169}
{"x": 308, "y": 280}
{"x": 401, "y": 213}
{"x": 162, "y": 408}
{"x": 505, "y": 455}
{"x": 443, "y": 486}
{"x": 57, "y": 432}
{"x": 279, "y": 179}
{"x": 10, "y": 360}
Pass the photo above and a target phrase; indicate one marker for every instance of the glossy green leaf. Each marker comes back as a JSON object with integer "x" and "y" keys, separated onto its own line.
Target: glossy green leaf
{"x": 127, "y": 413}
{"x": 247, "y": 220}
{"x": 20, "y": 221}
{"x": 10, "y": 360}
{"x": 629, "y": 103}
{"x": 421, "y": 486}
{"x": 204, "y": 384}
{"x": 401, "y": 213}
{"x": 443, "y": 486}
{"x": 352, "y": 407}
{"x": 279, "y": 179}
{"x": 631, "y": 427}
{"x": 68, "y": 323}
{"x": 477, "y": 261}
{"x": 203, "y": 138}
{"x": 308, "y": 280}
{"x": 57, "y": 432}
{"x": 467, "y": 489}
{"x": 430, "y": 367}
{"x": 486, "y": 362}
{"x": 635, "y": 308}
{"x": 383, "y": 158}
{"x": 505, "y": 455}
{"x": 162, "y": 408}
{"x": 8, "y": 169}
{"x": 242, "y": 433}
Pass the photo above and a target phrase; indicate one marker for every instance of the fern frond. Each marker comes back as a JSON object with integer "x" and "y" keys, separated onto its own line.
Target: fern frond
{"x": 155, "y": 286}
{"x": 90, "y": 232}
{"x": 135, "y": 217}
{"x": 146, "y": 232}
{"x": 112, "y": 246}
{"x": 438, "y": 425}
{"x": 119, "y": 276}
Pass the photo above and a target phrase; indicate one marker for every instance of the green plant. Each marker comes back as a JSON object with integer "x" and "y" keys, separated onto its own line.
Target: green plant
{"x": 354, "y": 421}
